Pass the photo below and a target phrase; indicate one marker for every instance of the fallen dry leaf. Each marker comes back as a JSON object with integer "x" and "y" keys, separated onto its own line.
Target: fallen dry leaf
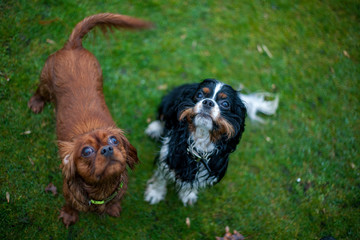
{"x": 8, "y": 197}
{"x": 241, "y": 87}
{"x": 205, "y": 53}
{"x": 267, "y": 51}
{"x": 46, "y": 22}
{"x": 229, "y": 236}
{"x": 50, "y": 41}
{"x": 346, "y": 54}
{"x": 162, "y": 87}
{"x": 187, "y": 221}
{"x": 194, "y": 44}
{"x": 31, "y": 161}
{"x": 26, "y": 132}
{"x": 5, "y": 76}
{"x": 307, "y": 186}
{"x": 51, "y": 188}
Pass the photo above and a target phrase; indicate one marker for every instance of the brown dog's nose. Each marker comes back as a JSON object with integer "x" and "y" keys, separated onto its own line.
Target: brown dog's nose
{"x": 107, "y": 151}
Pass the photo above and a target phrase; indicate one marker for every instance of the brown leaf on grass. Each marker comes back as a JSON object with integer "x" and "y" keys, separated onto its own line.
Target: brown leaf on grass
{"x": 267, "y": 51}
{"x": 273, "y": 87}
{"x": 50, "y": 41}
{"x": 346, "y": 54}
{"x": 5, "y": 76}
{"x": 31, "y": 161}
{"x": 187, "y": 221}
{"x": 353, "y": 166}
{"x": 46, "y": 22}
{"x": 51, "y": 188}
{"x": 307, "y": 185}
{"x": 229, "y": 236}
{"x": 241, "y": 87}
{"x": 162, "y": 87}
{"x": 8, "y": 197}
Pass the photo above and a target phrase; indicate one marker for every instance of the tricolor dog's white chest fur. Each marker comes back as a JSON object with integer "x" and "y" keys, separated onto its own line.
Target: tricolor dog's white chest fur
{"x": 200, "y": 140}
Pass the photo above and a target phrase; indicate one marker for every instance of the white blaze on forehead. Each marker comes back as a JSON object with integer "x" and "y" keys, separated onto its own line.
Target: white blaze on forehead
{"x": 217, "y": 89}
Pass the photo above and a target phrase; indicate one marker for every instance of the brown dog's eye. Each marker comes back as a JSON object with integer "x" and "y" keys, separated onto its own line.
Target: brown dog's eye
{"x": 87, "y": 151}
{"x": 113, "y": 141}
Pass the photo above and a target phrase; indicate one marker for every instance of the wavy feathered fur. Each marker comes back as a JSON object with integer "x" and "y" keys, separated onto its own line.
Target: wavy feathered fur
{"x": 178, "y": 112}
{"x": 72, "y": 79}
{"x": 104, "y": 21}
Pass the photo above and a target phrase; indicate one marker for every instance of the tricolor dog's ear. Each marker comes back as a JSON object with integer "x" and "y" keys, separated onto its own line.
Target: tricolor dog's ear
{"x": 66, "y": 151}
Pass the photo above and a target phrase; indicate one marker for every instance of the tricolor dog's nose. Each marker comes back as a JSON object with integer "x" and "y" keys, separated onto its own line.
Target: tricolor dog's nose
{"x": 208, "y": 103}
{"x": 107, "y": 151}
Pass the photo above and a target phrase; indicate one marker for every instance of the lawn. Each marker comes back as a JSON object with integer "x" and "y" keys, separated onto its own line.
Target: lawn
{"x": 296, "y": 177}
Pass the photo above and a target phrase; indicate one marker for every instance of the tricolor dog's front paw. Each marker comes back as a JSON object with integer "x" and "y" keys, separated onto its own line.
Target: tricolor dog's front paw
{"x": 155, "y": 191}
{"x": 188, "y": 197}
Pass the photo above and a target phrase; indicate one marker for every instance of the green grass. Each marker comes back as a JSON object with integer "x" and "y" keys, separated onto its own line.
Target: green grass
{"x": 314, "y": 136}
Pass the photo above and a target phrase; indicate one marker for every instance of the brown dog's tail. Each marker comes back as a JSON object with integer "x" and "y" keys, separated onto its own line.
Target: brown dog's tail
{"x": 103, "y": 20}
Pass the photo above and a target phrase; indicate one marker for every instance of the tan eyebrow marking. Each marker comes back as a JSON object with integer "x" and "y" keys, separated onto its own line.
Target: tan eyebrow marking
{"x": 222, "y": 95}
{"x": 206, "y": 90}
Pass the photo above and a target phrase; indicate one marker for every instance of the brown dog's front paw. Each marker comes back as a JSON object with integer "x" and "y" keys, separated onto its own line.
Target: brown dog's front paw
{"x": 36, "y": 103}
{"x": 114, "y": 210}
{"x": 69, "y": 216}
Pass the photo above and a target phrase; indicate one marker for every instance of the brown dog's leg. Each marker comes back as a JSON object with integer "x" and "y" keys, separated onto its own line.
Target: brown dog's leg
{"x": 69, "y": 215}
{"x": 114, "y": 209}
{"x": 36, "y": 103}
{"x": 43, "y": 93}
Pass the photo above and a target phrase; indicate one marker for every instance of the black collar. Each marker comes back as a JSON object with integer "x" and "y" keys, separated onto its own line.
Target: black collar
{"x": 198, "y": 158}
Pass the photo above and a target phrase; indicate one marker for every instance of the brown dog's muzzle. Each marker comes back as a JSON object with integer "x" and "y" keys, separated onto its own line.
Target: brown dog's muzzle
{"x": 107, "y": 151}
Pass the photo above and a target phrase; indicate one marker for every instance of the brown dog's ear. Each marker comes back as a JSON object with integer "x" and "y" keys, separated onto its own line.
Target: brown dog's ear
{"x": 66, "y": 153}
{"x": 132, "y": 157}
{"x": 131, "y": 153}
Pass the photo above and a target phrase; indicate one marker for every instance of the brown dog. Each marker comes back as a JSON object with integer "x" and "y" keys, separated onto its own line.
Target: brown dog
{"x": 94, "y": 151}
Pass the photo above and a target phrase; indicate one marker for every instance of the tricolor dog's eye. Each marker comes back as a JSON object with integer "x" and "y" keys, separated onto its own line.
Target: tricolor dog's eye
{"x": 199, "y": 95}
{"x": 225, "y": 104}
{"x": 87, "y": 151}
{"x": 113, "y": 141}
